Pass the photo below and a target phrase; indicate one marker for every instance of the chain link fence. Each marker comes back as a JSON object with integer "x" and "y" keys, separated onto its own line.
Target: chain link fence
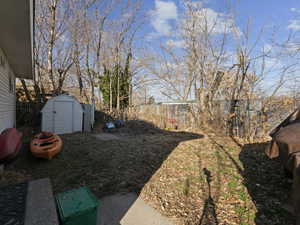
{"x": 255, "y": 118}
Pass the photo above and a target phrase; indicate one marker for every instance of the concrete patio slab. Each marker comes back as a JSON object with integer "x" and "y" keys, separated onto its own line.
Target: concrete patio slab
{"x": 128, "y": 209}
{"x": 40, "y": 205}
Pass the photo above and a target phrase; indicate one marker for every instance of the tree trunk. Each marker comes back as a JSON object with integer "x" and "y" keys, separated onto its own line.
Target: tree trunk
{"x": 93, "y": 94}
{"x": 37, "y": 91}
{"x": 118, "y": 91}
{"x": 28, "y": 96}
{"x": 110, "y": 94}
{"x": 52, "y": 8}
{"x": 130, "y": 94}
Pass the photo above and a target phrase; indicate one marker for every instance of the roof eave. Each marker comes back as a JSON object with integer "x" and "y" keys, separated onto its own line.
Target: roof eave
{"x": 16, "y": 39}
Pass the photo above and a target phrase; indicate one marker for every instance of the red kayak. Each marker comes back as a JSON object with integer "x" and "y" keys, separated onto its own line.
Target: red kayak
{"x": 10, "y": 143}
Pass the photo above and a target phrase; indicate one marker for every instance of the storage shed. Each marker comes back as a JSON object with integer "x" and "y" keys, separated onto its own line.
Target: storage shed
{"x": 62, "y": 114}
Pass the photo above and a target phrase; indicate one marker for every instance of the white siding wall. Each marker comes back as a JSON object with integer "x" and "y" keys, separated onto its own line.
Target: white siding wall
{"x": 7, "y": 97}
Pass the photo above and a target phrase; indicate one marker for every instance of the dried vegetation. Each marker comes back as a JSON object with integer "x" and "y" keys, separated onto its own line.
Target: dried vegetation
{"x": 188, "y": 176}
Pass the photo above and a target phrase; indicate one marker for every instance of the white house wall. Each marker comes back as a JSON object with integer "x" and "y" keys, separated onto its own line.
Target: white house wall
{"x": 7, "y": 96}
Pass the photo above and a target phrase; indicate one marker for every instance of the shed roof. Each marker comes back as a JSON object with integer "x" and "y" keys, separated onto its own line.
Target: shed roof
{"x": 63, "y": 97}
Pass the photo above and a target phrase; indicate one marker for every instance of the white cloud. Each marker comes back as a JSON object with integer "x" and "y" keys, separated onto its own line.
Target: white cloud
{"x": 214, "y": 22}
{"x": 292, "y": 47}
{"x": 194, "y": 4}
{"x": 164, "y": 13}
{"x": 295, "y": 10}
{"x": 271, "y": 63}
{"x": 176, "y": 43}
{"x": 294, "y": 25}
{"x": 267, "y": 47}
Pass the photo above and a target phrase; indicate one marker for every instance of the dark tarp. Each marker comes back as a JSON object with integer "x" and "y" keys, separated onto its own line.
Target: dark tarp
{"x": 286, "y": 140}
{"x": 286, "y": 144}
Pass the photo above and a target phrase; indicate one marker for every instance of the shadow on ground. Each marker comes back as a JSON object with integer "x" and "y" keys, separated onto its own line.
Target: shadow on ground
{"x": 106, "y": 166}
{"x": 266, "y": 184}
{"x": 209, "y": 215}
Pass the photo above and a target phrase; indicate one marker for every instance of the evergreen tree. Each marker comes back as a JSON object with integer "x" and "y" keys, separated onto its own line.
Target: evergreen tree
{"x": 112, "y": 76}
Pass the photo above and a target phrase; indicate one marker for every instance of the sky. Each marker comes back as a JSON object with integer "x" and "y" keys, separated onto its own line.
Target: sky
{"x": 281, "y": 16}
{"x": 284, "y": 14}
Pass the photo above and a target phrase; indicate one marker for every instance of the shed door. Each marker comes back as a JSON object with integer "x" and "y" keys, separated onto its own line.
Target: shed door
{"x": 63, "y": 117}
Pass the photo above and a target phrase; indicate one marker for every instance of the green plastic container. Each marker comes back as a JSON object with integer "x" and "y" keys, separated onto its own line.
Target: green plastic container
{"x": 77, "y": 207}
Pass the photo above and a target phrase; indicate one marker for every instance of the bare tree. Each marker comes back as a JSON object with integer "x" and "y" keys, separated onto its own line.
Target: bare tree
{"x": 52, "y": 33}
{"x": 216, "y": 62}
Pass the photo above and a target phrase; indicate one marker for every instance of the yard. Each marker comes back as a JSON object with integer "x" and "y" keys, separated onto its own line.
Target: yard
{"x": 192, "y": 177}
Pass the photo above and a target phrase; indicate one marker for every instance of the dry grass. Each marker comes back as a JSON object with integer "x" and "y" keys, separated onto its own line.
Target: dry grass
{"x": 214, "y": 181}
{"x": 194, "y": 178}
